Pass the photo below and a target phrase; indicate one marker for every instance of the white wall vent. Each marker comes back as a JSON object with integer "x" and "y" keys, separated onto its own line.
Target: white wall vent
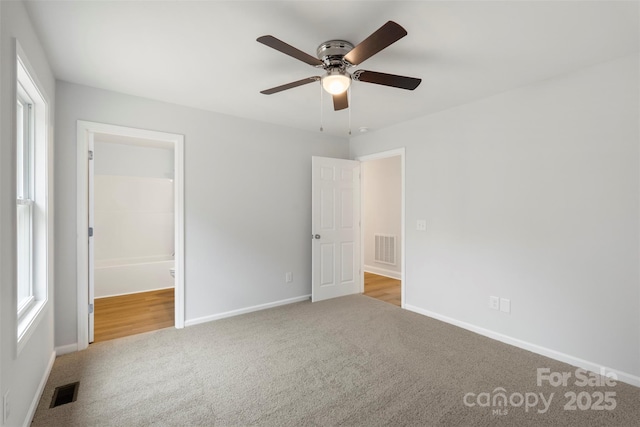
{"x": 385, "y": 250}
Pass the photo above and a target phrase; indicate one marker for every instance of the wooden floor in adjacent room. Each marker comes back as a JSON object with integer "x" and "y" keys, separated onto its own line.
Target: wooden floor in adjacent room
{"x": 382, "y": 288}
{"x": 125, "y": 315}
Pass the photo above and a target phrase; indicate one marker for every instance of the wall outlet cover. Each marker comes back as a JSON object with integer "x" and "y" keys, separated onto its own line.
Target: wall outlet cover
{"x": 494, "y": 303}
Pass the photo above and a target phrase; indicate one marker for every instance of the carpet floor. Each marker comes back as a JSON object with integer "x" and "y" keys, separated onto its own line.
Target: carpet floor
{"x": 351, "y": 361}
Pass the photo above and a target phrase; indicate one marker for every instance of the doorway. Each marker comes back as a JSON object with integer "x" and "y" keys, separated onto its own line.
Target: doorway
{"x": 131, "y": 231}
{"x": 133, "y": 240}
{"x": 382, "y": 223}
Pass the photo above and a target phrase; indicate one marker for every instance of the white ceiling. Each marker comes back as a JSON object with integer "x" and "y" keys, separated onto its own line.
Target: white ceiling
{"x": 203, "y": 54}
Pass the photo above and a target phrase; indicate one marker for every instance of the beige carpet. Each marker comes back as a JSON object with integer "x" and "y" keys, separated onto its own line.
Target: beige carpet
{"x": 352, "y": 361}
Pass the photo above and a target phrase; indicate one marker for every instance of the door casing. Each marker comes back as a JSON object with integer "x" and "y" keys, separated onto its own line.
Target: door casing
{"x": 85, "y": 132}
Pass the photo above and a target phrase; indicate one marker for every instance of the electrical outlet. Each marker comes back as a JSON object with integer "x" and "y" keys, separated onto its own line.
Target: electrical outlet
{"x": 6, "y": 408}
{"x": 505, "y": 305}
{"x": 288, "y": 277}
{"x": 421, "y": 225}
{"x": 494, "y": 303}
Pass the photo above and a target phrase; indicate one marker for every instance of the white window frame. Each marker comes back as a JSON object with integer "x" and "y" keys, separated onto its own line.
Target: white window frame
{"x": 24, "y": 200}
{"x": 32, "y": 191}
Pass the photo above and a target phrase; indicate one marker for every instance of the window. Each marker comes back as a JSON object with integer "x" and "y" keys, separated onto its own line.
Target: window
{"x": 32, "y": 273}
{"x": 25, "y": 202}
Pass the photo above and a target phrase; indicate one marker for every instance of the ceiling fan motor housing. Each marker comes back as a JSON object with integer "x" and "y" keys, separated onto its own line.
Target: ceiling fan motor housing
{"x": 332, "y": 53}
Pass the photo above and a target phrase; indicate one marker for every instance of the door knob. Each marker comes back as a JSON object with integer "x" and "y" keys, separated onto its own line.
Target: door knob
{"x": 317, "y": 236}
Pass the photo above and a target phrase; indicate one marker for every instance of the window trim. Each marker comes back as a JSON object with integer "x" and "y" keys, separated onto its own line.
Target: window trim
{"x": 25, "y": 79}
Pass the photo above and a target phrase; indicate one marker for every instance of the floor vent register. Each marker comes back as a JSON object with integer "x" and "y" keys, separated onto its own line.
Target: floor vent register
{"x": 65, "y": 394}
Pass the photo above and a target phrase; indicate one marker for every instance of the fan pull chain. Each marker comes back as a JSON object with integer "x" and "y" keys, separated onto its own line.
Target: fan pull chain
{"x": 321, "y": 100}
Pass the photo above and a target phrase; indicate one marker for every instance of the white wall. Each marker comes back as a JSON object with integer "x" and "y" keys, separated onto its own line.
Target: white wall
{"x": 247, "y": 201}
{"x": 20, "y": 374}
{"x": 382, "y": 210}
{"x": 134, "y": 218}
{"x": 133, "y": 230}
{"x": 131, "y": 160}
{"x": 117, "y": 278}
{"x": 530, "y": 195}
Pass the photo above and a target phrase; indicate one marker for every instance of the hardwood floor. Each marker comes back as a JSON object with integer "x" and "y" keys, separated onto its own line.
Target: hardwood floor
{"x": 382, "y": 288}
{"x": 121, "y": 316}
{"x": 125, "y": 315}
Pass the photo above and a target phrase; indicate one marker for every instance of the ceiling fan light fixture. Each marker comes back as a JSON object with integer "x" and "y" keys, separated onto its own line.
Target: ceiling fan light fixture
{"x": 336, "y": 81}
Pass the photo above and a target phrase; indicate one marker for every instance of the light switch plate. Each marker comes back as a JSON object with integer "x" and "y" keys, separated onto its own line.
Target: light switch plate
{"x": 505, "y": 305}
{"x": 421, "y": 225}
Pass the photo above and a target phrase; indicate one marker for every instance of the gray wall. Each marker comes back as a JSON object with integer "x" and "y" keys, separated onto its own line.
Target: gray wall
{"x": 247, "y": 201}
{"x": 530, "y": 195}
{"x": 21, "y": 374}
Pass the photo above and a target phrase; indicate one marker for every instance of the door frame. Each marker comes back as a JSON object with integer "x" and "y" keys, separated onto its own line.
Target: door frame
{"x": 85, "y": 132}
{"x": 376, "y": 156}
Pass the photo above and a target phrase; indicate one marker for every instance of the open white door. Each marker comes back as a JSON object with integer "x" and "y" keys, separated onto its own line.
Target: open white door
{"x": 91, "y": 245}
{"x": 335, "y": 221}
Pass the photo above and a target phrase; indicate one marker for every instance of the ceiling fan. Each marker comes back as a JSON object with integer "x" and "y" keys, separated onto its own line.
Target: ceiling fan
{"x": 336, "y": 56}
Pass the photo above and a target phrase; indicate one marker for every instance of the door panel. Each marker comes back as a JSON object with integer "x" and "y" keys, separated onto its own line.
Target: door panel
{"x": 327, "y": 261}
{"x": 327, "y": 206}
{"x": 346, "y": 211}
{"x": 335, "y": 227}
{"x": 347, "y": 254}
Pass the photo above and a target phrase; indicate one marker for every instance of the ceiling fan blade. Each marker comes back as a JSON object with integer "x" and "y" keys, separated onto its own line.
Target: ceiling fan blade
{"x": 287, "y": 49}
{"x": 341, "y": 101}
{"x": 384, "y": 36}
{"x": 402, "y": 82}
{"x": 290, "y": 85}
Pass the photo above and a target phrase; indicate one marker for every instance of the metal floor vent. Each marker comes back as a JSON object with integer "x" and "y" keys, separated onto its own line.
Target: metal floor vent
{"x": 65, "y": 394}
{"x": 385, "y": 249}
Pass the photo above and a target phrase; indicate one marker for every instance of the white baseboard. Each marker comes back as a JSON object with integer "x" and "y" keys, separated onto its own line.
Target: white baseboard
{"x": 38, "y": 395}
{"x": 232, "y": 313}
{"x": 553, "y": 354}
{"x": 65, "y": 349}
{"x": 383, "y": 272}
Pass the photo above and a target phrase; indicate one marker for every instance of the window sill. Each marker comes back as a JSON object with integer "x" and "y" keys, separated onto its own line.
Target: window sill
{"x": 29, "y": 322}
